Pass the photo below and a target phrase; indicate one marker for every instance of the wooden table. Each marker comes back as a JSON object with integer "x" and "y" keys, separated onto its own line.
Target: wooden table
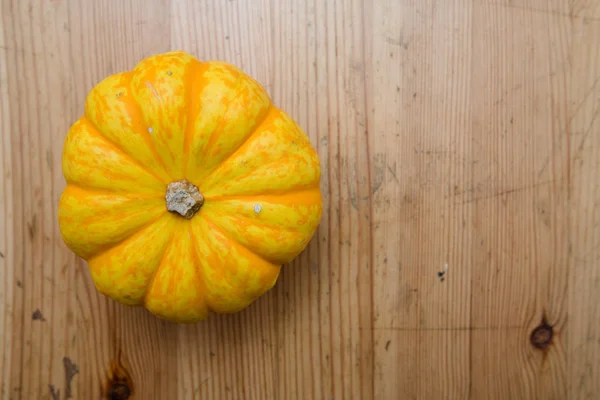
{"x": 463, "y": 133}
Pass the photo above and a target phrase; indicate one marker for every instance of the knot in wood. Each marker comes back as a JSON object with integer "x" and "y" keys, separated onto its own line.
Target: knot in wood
{"x": 541, "y": 337}
{"x": 183, "y": 198}
{"x": 119, "y": 391}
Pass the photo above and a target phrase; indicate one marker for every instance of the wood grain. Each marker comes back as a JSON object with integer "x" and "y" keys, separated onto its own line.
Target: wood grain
{"x": 462, "y": 133}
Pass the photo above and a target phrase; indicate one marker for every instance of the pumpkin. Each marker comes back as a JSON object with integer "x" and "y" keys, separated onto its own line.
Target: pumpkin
{"x": 186, "y": 188}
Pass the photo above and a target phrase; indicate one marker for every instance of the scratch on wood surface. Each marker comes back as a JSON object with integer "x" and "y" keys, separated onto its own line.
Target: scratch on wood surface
{"x": 510, "y": 191}
{"x": 379, "y": 165}
{"x": 542, "y": 11}
{"x": 393, "y": 174}
{"x": 579, "y": 106}
{"x": 588, "y": 130}
{"x": 399, "y": 41}
{"x": 21, "y": 51}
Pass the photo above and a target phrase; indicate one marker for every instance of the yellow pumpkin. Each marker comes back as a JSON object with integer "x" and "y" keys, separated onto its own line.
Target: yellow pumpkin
{"x": 187, "y": 189}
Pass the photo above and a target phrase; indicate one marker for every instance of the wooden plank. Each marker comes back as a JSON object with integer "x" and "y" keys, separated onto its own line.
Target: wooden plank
{"x": 54, "y": 52}
{"x": 519, "y": 199}
{"x": 35, "y": 288}
{"x": 7, "y": 280}
{"x": 420, "y": 135}
{"x": 582, "y": 330}
{"x": 574, "y": 9}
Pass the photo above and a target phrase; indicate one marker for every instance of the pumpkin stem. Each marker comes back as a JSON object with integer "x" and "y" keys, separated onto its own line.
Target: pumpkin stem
{"x": 183, "y": 198}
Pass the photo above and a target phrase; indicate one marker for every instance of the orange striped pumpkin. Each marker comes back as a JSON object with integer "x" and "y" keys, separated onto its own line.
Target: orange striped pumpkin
{"x": 187, "y": 189}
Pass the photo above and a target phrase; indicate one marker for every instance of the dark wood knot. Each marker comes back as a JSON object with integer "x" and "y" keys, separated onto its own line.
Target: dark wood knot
{"x": 119, "y": 391}
{"x": 541, "y": 337}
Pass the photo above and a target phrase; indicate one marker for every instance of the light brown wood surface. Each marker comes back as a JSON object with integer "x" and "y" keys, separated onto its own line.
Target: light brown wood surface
{"x": 458, "y": 132}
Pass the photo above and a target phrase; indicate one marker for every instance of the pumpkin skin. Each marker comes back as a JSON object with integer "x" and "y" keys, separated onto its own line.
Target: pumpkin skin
{"x": 175, "y": 118}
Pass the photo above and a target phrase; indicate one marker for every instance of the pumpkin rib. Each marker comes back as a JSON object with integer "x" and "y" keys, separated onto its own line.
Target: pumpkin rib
{"x": 117, "y": 261}
{"x": 300, "y": 186}
{"x": 173, "y": 292}
{"x": 118, "y": 149}
{"x": 233, "y": 237}
{"x": 87, "y": 234}
{"x": 260, "y": 225}
{"x": 145, "y": 135}
{"x": 111, "y": 246}
{"x": 265, "y": 195}
{"x": 98, "y": 99}
{"x": 201, "y": 263}
{"x": 159, "y": 87}
{"x": 238, "y": 292}
{"x": 228, "y": 235}
{"x": 160, "y": 262}
{"x": 253, "y": 132}
{"x": 198, "y": 263}
{"x": 214, "y": 135}
{"x": 194, "y": 79}
{"x": 105, "y": 191}
{"x": 295, "y": 152}
{"x": 279, "y": 199}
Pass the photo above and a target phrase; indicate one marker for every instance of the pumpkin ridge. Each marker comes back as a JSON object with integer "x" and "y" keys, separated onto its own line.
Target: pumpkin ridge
{"x": 228, "y": 235}
{"x": 96, "y": 262}
{"x": 209, "y": 222}
{"x": 97, "y": 98}
{"x": 260, "y": 224}
{"x": 105, "y": 191}
{"x": 248, "y": 299}
{"x": 198, "y": 265}
{"x": 215, "y": 134}
{"x": 196, "y": 77}
{"x": 119, "y": 150}
{"x": 111, "y": 246}
{"x": 160, "y": 263}
{"x": 300, "y": 187}
{"x": 290, "y": 154}
{"x": 275, "y": 261}
{"x": 146, "y": 135}
{"x": 282, "y": 200}
{"x": 219, "y": 128}
{"x": 253, "y": 131}
{"x": 265, "y": 194}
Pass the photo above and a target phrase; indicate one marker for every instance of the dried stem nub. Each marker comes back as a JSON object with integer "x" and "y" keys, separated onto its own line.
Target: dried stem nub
{"x": 183, "y": 198}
